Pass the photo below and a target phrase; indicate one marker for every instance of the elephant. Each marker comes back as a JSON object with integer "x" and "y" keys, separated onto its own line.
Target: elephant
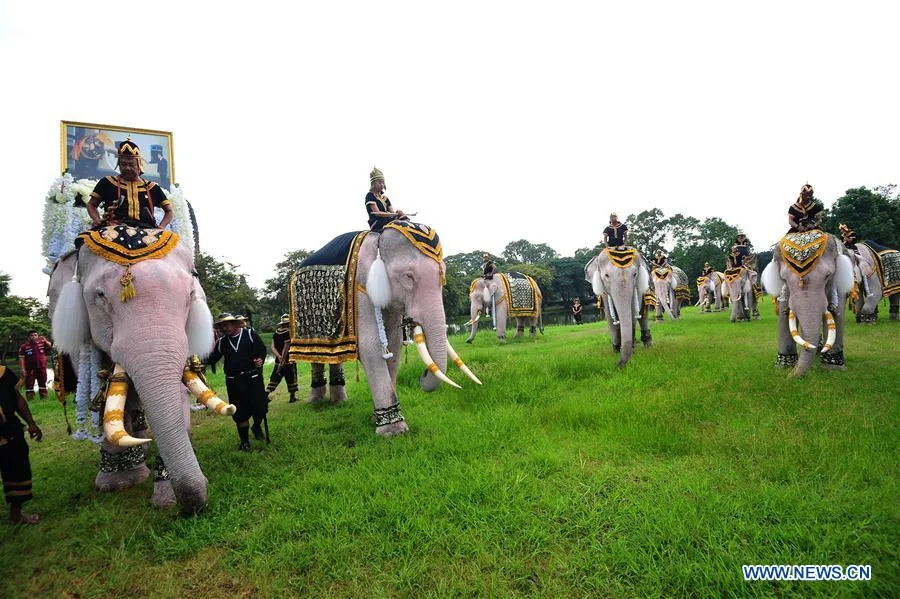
{"x": 870, "y": 261}
{"x": 810, "y": 275}
{"x": 622, "y": 277}
{"x": 491, "y": 295}
{"x": 710, "y": 285}
{"x": 147, "y": 318}
{"x": 670, "y": 285}
{"x": 394, "y": 280}
{"x": 741, "y": 286}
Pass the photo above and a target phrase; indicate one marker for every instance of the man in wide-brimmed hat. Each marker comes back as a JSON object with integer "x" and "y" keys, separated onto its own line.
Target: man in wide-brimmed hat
{"x": 281, "y": 341}
{"x": 127, "y": 198}
{"x": 243, "y": 352}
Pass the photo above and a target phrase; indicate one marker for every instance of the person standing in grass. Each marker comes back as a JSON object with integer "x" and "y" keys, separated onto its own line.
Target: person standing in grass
{"x": 33, "y": 363}
{"x": 576, "y": 311}
{"x": 281, "y": 340}
{"x": 15, "y": 468}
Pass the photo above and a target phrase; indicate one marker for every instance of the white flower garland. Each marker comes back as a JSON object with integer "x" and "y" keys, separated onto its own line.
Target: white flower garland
{"x": 88, "y": 387}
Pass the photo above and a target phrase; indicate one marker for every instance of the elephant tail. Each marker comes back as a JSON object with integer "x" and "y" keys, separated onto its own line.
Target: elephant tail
{"x": 541, "y": 322}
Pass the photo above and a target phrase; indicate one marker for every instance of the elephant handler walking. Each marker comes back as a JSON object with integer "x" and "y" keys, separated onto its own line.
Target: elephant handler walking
{"x": 281, "y": 340}
{"x": 243, "y": 352}
{"x": 15, "y": 468}
{"x": 33, "y": 363}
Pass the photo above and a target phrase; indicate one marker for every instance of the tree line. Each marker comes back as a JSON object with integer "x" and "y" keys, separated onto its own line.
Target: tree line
{"x": 873, "y": 213}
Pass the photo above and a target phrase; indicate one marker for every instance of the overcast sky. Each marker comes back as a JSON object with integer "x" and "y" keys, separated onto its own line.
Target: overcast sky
{"x": 495, "y": 121}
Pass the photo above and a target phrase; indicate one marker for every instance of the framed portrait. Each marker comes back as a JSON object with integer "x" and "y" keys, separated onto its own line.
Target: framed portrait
{"x": 89, "y": 151}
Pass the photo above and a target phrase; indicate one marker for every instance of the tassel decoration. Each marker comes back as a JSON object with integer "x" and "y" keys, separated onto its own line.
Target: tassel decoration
{"x": 127, "y": 283}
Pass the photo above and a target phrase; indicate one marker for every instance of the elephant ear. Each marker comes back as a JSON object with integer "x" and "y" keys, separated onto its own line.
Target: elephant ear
{"x": 597, "y": 282}
{"x": 199, "y": 329}
{"x": 772, "y": 280}
{"x": 643, "y": 281}
{"x": 843, "y": 276}
{"x": 71, "y": 326}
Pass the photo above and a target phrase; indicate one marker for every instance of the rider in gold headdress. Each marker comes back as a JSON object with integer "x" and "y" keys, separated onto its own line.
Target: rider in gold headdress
{"x": 378, "y": 205}
{"x": 127, "y": 198}
{"x": 806, "y": 213}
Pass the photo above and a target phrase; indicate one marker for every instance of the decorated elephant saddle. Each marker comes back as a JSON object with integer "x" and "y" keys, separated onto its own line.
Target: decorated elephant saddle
{"x": 621, "y": 258}
{"x": 323, "y": 302}
{"x": 801, "y": 251}
{"x": 682, "y": 288}
{"x": 522, "y": 293}
{"x": 423, "y": 238}
{"x": 661, "y": 273}
{"x": 733, "y": 274}
{"x": 887, "y": 264}
{"x": 127, "y": 245}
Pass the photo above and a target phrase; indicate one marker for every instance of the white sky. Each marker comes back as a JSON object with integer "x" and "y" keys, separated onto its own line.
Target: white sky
{"x": 494, "y": 121}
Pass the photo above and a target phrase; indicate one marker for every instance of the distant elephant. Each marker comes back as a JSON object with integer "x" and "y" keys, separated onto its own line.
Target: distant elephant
{"x": 878, "y": 270}
{"x": 709, "y": 286}
{"x": 670, "y": 284}
{"x": 147, "y": 317}
{"x": 810, "y": 275}
{"x": 356, "y": 303}
{"x": 741, "y": 284}
{"x": 622, "y": 278}
{"x": 486, "y": 295}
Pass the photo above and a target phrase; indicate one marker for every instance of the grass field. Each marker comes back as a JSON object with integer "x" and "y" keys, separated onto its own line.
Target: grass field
{"x": 560, "y": 477}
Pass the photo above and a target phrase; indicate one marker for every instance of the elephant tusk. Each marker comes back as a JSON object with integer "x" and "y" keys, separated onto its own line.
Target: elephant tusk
{"x": 832, "y": 331}
{"x": 792, "y": 325}
{"x": 474, "y": 320}
{"x": 458, "y": 361}
{"x": 419, "y": 338}
{"x": 114, "y": 411}
{"x": 204, "y": 394}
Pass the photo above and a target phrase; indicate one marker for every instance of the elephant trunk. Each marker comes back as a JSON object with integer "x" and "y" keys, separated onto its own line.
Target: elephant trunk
{"x": 810, "y": 329}
{"x": 623, "y": 299}
{"x": 435, "y": 332}
{"x": 157, "y": 376}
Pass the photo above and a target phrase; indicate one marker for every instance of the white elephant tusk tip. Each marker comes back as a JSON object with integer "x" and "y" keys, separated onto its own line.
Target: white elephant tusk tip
{"x": 129, "y": 441}
{"x": 230, "y": 410}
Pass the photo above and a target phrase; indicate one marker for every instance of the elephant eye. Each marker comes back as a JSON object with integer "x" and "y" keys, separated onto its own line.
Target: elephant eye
{"x": 101, "y": 294}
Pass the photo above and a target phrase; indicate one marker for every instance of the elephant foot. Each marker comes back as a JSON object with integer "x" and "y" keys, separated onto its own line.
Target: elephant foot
{"x": 501, "y": 339}
{"x": 470, "y": 339}
{"x": 163, "y": 494}
{"x": 337, "y": 394}
{"x": 122, "y": 479}
{"x": 389, "y": 430}
{"x": 839, "y": 367}
{"x": 621, "y": 364}
{"x": 316, "y": 395}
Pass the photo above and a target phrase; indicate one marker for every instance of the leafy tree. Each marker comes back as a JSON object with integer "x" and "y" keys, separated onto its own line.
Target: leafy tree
{"x": 872, "y": 214}
{"x": 226, "y": 289}
{"x": 647, "y": 230}
{"x": 584, "y": 255}
{"x": 456, "y": 293}
{"x": 568, "y": 280}
{"x": 683, "y": 229}
{"x": 525, "y": 252}
{"x": 468, "y": 264}
{"x": 715, "y": 231}
{"x": 4, "y": 284}
{"x": 17, "y": 316}
{"x": 275, "y": 294}
{"x": 541, "y": 273}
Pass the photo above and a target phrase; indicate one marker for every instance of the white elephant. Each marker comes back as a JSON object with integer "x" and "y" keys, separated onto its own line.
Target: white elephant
{"x": 877, "y": 268}
{"x": 494, "y": 296}
{"x": 670, "y": 285}
{"x": 710, "y": 286}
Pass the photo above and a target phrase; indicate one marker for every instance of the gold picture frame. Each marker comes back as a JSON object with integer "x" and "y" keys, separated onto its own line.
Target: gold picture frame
{"x": 88, "y": 151}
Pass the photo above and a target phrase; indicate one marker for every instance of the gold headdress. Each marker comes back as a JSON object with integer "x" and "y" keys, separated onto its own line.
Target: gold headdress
{"x": 806, "y": 192}
{"x": 375, "y": 175}
{"x": 129, "y": 148}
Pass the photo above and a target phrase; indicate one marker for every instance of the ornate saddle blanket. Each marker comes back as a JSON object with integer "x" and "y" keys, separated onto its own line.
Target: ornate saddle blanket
{"x": 522, "y": 294}
{"x": 423, "y": 238}
{"x": 732, "y": 274}
{"x": 621, "y": 258}
{"x": 323, "y": 303}
{"x": 661, "y": 273}
{"x": 682, "y": 286}
{"x": 887, "y": 264}
{"x": 127, "y": 245}
{"x": 801, "y": 251}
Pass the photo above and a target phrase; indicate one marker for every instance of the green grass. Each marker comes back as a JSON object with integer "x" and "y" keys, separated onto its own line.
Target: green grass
{"x": 560, "y": 477}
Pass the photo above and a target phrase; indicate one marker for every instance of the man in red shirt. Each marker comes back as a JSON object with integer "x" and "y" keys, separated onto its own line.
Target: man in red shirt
{"x": 33, "y": 363}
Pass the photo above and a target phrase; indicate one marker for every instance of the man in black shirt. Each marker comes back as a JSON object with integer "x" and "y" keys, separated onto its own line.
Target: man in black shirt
{"x": 281, "y": 340}
{"x": 488, "y": 268}
{"x": 806, "y": 213}
{"x": 378, "y": 205}
{"x": 616, "y": 234}
{"x": 15, "y": 468}
{"x": 740, "y": 250}
{"x": 243, "y": 352}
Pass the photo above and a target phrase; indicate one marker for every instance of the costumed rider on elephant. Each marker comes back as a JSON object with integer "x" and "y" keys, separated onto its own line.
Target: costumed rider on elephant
{"x": 616, "y": 234}
{"x": 660, "y": 259}
{"x": 740, "y": 251}
{"x": 128, "y": 199}
{"x": 378, "y": 205}
{"x": 806, "y": 213}
{"x": 243, "y": 352}
{"x": 488, "y": 270}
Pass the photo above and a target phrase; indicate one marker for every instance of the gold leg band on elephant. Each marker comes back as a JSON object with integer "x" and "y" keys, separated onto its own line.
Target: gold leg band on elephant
{"x": 114, "y": 411}
{"x": 205, "y": 395}
{"x": 460, "y": 364}
{"x": 832, "y": 331}
{"x": 792, "y": 325}
{"x": 419, "y": 339}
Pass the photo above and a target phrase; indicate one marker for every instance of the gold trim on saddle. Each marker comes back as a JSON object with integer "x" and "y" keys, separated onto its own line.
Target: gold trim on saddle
{"x": 621, "y": 258}
{"x": 801, "y": 251}
{"x": 732, "y": 274}
{"x": 423, "y": 238}
{"x": 516, "y": 311}
{"x": 662, "y": 273}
